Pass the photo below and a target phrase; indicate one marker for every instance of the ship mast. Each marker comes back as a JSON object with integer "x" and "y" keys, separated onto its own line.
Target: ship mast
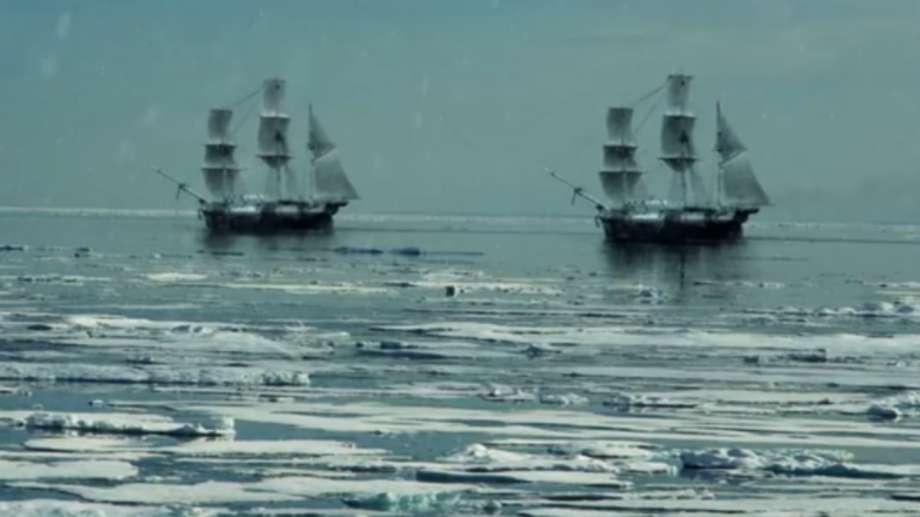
{"x": 677, "y": 148}
{"x": 621, "y": 175}
{"x": 273, "y": 140}
{"x": 220, "y": 169}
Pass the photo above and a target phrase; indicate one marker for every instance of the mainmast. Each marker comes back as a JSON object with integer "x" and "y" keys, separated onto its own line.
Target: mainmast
{"x": 273, "y": 139}
{"x": 220, "y": 169}
{"x": 621, "y": 176}
{"x": 677, "y": 149}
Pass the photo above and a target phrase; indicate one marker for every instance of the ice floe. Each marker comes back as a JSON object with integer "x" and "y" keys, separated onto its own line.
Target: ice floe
{"x": 59, "y": 508}
{"x": 125, "y": 424}
{"x": 176, "y": 276}
{"x": 895, "y": 407}
{"x": 632, "y": 402}
{"x": 790, "y": 463}
{"x": 86, "y": 469}
{"x": 154, "y": 374}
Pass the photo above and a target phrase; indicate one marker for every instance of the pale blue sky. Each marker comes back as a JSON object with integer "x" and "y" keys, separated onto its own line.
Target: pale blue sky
{"x": 445, "y": 106}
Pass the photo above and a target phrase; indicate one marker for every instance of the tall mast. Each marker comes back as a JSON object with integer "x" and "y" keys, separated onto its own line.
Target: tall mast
{"x": 677, "y": 148}
{"x": 219, "y": 168}
{"x": 273, "y": 139}
{"x": 621, "y": 175}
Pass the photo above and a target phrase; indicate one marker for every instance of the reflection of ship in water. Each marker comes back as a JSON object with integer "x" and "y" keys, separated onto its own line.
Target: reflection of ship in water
{"x": 689, "y": 213}
{"x": 292, "y": 201}
{"x": 678, "y": 268}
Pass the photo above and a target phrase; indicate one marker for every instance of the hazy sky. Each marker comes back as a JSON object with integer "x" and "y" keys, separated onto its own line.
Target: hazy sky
{"x": 458, "y": 106}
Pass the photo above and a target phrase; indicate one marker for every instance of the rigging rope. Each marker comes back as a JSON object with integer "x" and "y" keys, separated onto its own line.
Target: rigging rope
{"x": 648, "y": 95}
{"x": 243, "y": 119}
{"x": 648, "y": 114}
{"x": 245, "y": 98}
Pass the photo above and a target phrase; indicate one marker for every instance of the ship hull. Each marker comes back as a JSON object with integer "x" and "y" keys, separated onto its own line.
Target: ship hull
{"x": 675, "y": 227}
{"x": 266, "y": 218}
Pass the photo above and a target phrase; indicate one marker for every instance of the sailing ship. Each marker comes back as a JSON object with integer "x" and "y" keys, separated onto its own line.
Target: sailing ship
{"x": 689, "y": 213}
{"x": 289, "y": 203}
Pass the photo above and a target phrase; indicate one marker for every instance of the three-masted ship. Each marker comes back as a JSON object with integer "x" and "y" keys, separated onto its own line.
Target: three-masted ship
{"x": 292, "y": 200}
{"x": 689, "y": 213}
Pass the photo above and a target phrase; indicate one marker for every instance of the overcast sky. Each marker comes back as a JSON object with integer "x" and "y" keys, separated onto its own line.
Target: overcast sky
{"x": 449, "y": 106}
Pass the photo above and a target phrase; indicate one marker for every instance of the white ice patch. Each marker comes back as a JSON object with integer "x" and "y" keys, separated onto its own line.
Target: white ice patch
{"x": 111, "y": 446}
{"x": 790, "y": 463}
{"x": 58, "y": 508}
{"x": 895, "y": 407}
{"x": 91, "y": 469}
{"x": 124, "y": 424}
{"x": 313, "y": 288}
{"x": 176, "y": 276}
{"x": 606, "y": 337}
{"x": 210, "y": 492}
{"x": 438, "y": 503}
{"x": 288, "y": 448}
{"x": 480, "y": 458}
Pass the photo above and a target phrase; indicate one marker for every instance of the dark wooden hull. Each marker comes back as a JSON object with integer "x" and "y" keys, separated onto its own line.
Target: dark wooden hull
{"x": 269, "y": 217}
{"x": 674, "y": 227}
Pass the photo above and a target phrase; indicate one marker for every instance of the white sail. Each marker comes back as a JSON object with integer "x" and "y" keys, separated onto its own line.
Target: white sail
{"x": 329, "y": 180}
{"x": 620, "y": 149}
{"x": 622, "y": 186}
{"x": 740, "y": 187}
{"x": 621, "y": 177}
{"x": 619, "y": 158}
{"x": 318, "y": 142}
{"x": 219, "y": 124}
{"x": 272, "y": 95}
{"x": 739, "y": 184}
{"x": 678, "y": 92}
{"x": 272, "y": 137}
{"x": 698, "y": 190}
{"x": 619, "y": 126}
{"x": 330, "y": 183}
{"x": 677, "y": 148}
{"x": 220, "y": 169}
{"x": 728, "y": 144}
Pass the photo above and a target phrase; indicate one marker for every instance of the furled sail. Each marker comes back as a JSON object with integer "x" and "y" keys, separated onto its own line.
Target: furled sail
{"x": 621, "y": 176}
{"x": 220, "y": 169}
{"x": 330, "y": 183}
{"x": 740, "y": 187}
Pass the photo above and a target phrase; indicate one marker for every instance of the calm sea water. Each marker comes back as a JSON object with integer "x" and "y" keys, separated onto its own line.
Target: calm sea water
{"x": 455, "y": 364}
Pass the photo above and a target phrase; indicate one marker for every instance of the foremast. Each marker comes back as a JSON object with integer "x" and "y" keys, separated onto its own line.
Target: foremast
{"x": 677, "y": 148}
{"x": 220, "y": 169}
{"x": 273, "y": 142}
{"x": 621, "y": 176}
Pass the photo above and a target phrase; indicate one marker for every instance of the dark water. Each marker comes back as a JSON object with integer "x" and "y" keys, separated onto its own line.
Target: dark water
{"x": 564, "y": 374}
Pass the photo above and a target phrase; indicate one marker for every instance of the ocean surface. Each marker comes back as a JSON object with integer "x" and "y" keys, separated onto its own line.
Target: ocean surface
{"x": 450, "y": 365}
